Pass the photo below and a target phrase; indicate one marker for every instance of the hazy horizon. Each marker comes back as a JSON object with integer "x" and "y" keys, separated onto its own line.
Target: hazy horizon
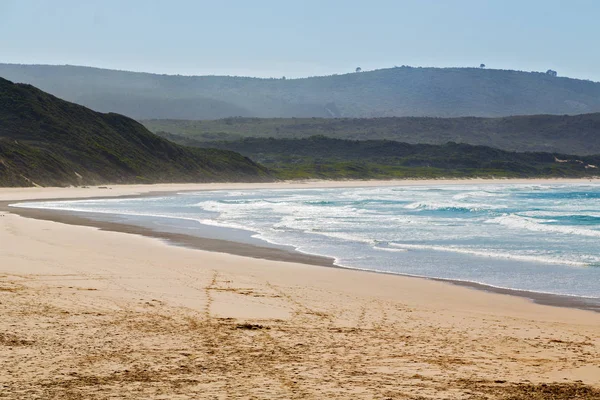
{"x": 289, "y": 78}
{"x": 273, "y": 39}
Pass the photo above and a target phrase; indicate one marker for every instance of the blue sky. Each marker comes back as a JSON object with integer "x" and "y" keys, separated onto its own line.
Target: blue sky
{"x": 304, "y": 37}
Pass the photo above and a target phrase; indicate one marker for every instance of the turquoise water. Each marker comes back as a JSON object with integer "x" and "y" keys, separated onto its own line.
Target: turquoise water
{"x": 543, "y": 238}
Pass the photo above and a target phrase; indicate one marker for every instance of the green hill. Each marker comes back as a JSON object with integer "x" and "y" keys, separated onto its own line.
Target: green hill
{"x": 322, "y": 157}
{"x": 578, "y": 134}
{"x": 401, "y": 91}
{"x": 47, "y": 141}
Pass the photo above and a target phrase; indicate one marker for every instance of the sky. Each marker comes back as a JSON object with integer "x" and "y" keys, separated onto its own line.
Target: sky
{"x": 274, "y": 38}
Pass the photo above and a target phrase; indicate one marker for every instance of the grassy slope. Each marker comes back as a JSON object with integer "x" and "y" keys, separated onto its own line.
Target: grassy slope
{"x": 48, "y": 141}
{"x": 322, "y": 157}
{"x": 578, "y": 134}
{"x": 404, "y": 91}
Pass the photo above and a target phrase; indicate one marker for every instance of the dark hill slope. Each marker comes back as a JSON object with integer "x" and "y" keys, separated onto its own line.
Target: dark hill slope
{"x": 402, "y": 91}
{"x": 577, "y": 134}
{"x": 47, "y": 141}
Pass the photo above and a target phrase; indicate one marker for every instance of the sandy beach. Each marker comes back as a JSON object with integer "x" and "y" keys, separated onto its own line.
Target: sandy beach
{"x": 98, "y": 314}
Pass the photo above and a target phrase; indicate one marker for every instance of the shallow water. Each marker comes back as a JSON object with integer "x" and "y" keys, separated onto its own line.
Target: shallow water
{"x": 543, "y": 238}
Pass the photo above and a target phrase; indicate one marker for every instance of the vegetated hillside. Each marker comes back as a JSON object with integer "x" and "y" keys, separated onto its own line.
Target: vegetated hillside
{"x": 322, "y": 157}
{"x": 48, "y": 141}
{"x": 578, "y": 134}
{"x": 401, "y": 91}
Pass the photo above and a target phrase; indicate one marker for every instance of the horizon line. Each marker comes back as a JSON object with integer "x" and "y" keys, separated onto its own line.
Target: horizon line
{"x": 284, "y": 77}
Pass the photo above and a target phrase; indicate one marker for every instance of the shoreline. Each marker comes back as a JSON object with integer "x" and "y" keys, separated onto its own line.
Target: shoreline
{"x": 91, "y": 313}
{"x": 281, "y": 254}
{"x": 189, "y": 241}
{"x": 110, "y": 191}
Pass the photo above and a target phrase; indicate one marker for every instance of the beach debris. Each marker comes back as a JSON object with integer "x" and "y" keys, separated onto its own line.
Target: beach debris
{"x": 251, "y": 327}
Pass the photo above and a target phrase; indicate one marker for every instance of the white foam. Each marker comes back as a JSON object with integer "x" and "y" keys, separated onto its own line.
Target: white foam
{"x": 537, "y": 225}
{"x": 492, "y": 254}
{"x": 432, "y": 205}
{"x": 567, "y": 213}
{"x": 390, "y": 249}
{"x": 479, "y": 194}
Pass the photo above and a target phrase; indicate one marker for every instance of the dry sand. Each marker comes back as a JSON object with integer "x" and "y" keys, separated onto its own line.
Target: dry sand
{"x": 90, "y": 314}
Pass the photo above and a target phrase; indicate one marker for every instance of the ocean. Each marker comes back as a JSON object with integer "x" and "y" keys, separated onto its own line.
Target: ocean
{"x": 534, "y": 237}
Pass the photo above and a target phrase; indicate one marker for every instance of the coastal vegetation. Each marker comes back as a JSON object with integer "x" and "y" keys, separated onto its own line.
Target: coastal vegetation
{"x": 47, "y": 141}
{"x": 329, "y": 158}
{"x": 398, "y": 91}
{"x": 577, "y": 134}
